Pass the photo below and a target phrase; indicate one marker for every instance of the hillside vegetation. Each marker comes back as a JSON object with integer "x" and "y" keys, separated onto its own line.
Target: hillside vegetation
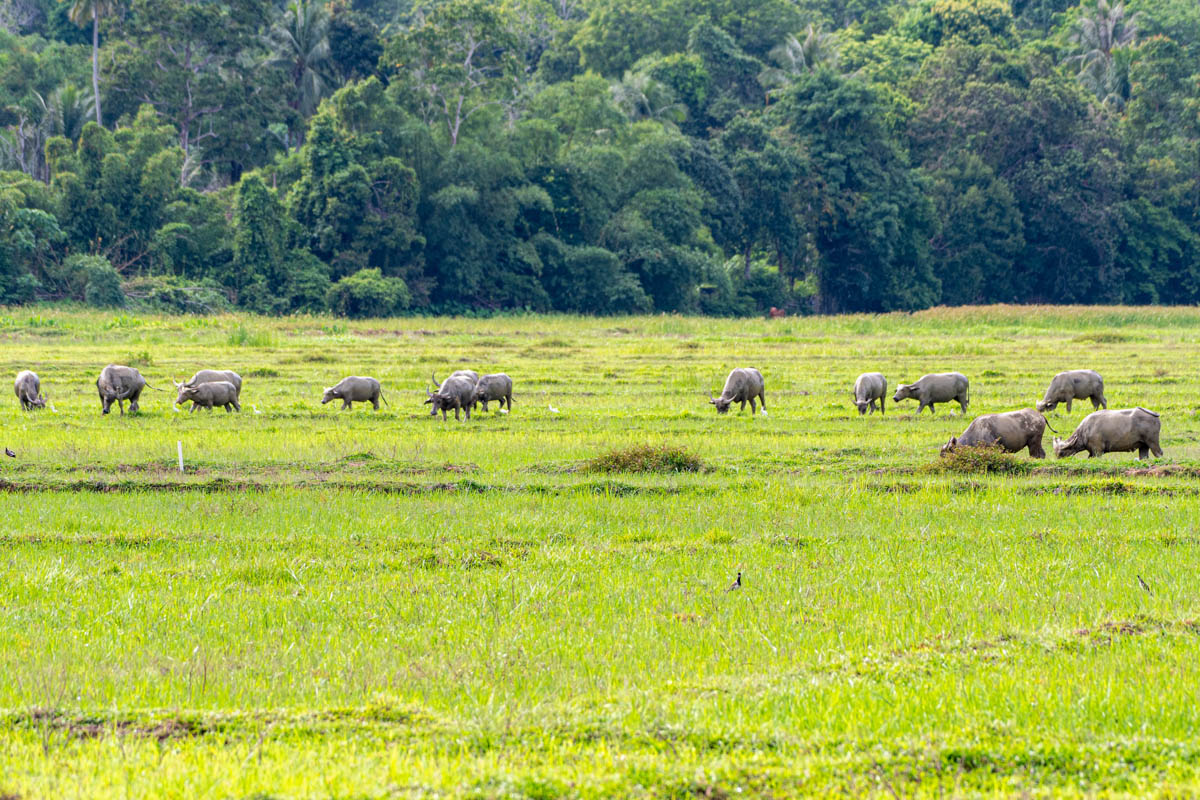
{"x": 370, "y": 158}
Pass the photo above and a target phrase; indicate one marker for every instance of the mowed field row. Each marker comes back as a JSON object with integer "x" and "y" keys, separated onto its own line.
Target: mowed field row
{"x": 334, "y": 604}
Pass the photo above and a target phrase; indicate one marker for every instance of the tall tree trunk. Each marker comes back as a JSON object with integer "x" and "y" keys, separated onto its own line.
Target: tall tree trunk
{"x": 96, "y": 61}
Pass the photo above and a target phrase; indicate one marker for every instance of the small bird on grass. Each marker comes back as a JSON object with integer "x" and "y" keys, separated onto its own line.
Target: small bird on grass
{"x": 737, "y": 583}
{"x": 9, "y": 453}
{"x": 553, "y": 410}
{"x": 1144, "y": 585}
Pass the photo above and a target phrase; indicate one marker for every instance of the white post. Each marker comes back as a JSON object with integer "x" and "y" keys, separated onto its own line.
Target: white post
{"x": 179, "y": 447}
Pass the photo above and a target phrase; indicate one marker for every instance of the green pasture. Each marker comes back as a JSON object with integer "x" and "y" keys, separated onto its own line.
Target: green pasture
{"x": 360, "y": 604}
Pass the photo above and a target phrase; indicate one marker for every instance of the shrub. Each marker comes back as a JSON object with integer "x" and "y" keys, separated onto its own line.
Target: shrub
{"x": 93, "y": 280}
{"x": 646, "y": 458}
{"x": 367, "y": 293}
{"x": 981, "y": 459}
{"x": 172, "y": 295}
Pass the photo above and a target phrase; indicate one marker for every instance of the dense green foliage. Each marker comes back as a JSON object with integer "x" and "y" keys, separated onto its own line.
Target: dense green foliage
{"x": 606, "y": 156}
{"x": 379, "y": 605}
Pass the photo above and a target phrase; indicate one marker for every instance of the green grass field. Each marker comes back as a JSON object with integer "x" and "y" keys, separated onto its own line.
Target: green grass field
{"x": 332, "y": 604}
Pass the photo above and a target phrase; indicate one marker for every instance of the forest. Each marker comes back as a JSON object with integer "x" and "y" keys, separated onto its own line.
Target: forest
{"x": 722, "y": 157}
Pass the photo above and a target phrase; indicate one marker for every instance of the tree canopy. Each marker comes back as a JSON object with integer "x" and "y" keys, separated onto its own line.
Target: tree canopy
{"x": 600, "y": 156}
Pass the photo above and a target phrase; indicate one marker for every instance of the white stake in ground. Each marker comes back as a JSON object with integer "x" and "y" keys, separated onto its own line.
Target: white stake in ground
{"x": 179, "y": 448}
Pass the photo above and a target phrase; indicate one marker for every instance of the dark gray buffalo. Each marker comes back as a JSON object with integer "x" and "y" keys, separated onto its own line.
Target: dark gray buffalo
{"x": 208, "y": 376}
{"x": 1115, "y": 431}
{"x": 469, "y": 374}
{"x": 941, "y": 387}
{"x": 1013, "y": 431}
{"x": 29, "y": 390}
{"x": 355, "y": 389}
{"x": 496, "y": 387}
{"x": 456, "y": 392}
{"x": 1077, "y": 384}
{"x": 869, "y": 387}
{"x": 743, "y": 385}
{"x": 117, "y": 384}
{"x": 209, "y": 394}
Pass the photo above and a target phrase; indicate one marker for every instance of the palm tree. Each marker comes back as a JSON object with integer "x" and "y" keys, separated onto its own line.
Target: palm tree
{"x": 65, "y": 112}
{"x": 300, "y": 41}
{"x": 81, "y": 12}
{"x": 1102, "y": 33}
{"x": 794, "y": 57}
{"x": 642, "y": 97}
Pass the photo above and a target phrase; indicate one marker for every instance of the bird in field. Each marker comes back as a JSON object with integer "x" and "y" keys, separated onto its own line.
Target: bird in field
{"x": 9, "y": 453}
{"x": 737, "y": 583}
{"x": 1144, "y": 585}
{"x": 553, "y": 410}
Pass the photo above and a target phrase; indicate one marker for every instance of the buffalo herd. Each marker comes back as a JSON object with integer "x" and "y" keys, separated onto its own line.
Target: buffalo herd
{"x": 1103, "y": 431}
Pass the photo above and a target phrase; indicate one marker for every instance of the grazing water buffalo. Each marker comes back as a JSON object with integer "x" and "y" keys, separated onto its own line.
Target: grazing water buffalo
{"x": 29, "y": 390}
{"x": 869, "y": 387}
{"x": 355, "y": 389}
{"x": 209, "y": 394}
{"x": 493, "y": 387}
{"x": 208, "y": 376}
{"x": 455, "y": 393}
{"x": 469, "y": 374}
{"x": 1116, "y": 431}
{"x": 938, "y": 388}
{"x": 1013, "y": 431}
{"x": 1077, "y": 384}
{"x": 743, "y": 384}
{"x": 117, "y": 384}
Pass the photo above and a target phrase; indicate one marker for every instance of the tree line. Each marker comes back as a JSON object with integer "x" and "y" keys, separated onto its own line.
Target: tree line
{"x": 372, "y": 157}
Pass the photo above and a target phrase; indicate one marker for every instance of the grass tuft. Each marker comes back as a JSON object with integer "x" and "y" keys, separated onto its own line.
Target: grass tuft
{"x": 241, "y": 336}
{"x": 646, "y": 458}
{"x": 981, "y": 459}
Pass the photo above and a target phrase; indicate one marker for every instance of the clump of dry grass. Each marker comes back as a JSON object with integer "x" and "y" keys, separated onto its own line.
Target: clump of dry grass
{"x": 646, "y": 458}
{"x": 980, "y": 460}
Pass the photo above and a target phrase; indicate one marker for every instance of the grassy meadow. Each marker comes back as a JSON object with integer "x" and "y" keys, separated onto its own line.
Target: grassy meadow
{"x": 360, "y": 604}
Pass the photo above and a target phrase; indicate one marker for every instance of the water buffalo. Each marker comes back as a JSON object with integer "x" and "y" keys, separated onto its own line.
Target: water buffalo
{"x": 117, "y": 384}
{"x": 869, "y": 387}
{"x": 937, "y": 388}
{"x": 208, "y": 376}
{"x": 469, "y": 374}
{"x": 743, "y": 384}
{"x": 209, "y": 394}
{"x": 1012, "y": 430}
{"x": 1115, "y": 431}
{"x": 493, "y": 387}
{"x": 455, "y": 393}
{"x": 1077, "y": 384}
{"x": 29, "y": 390}
{"x": 355, "y": 389}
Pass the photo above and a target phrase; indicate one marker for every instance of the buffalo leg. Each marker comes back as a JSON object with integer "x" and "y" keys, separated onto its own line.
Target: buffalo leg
{"x": 1035, "y": 449}
{"x": 762, "y": 399}
{"x": 375, "y": 402}
{"x": 1143, "y": 452}
{"x": 1068, "y": 406}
